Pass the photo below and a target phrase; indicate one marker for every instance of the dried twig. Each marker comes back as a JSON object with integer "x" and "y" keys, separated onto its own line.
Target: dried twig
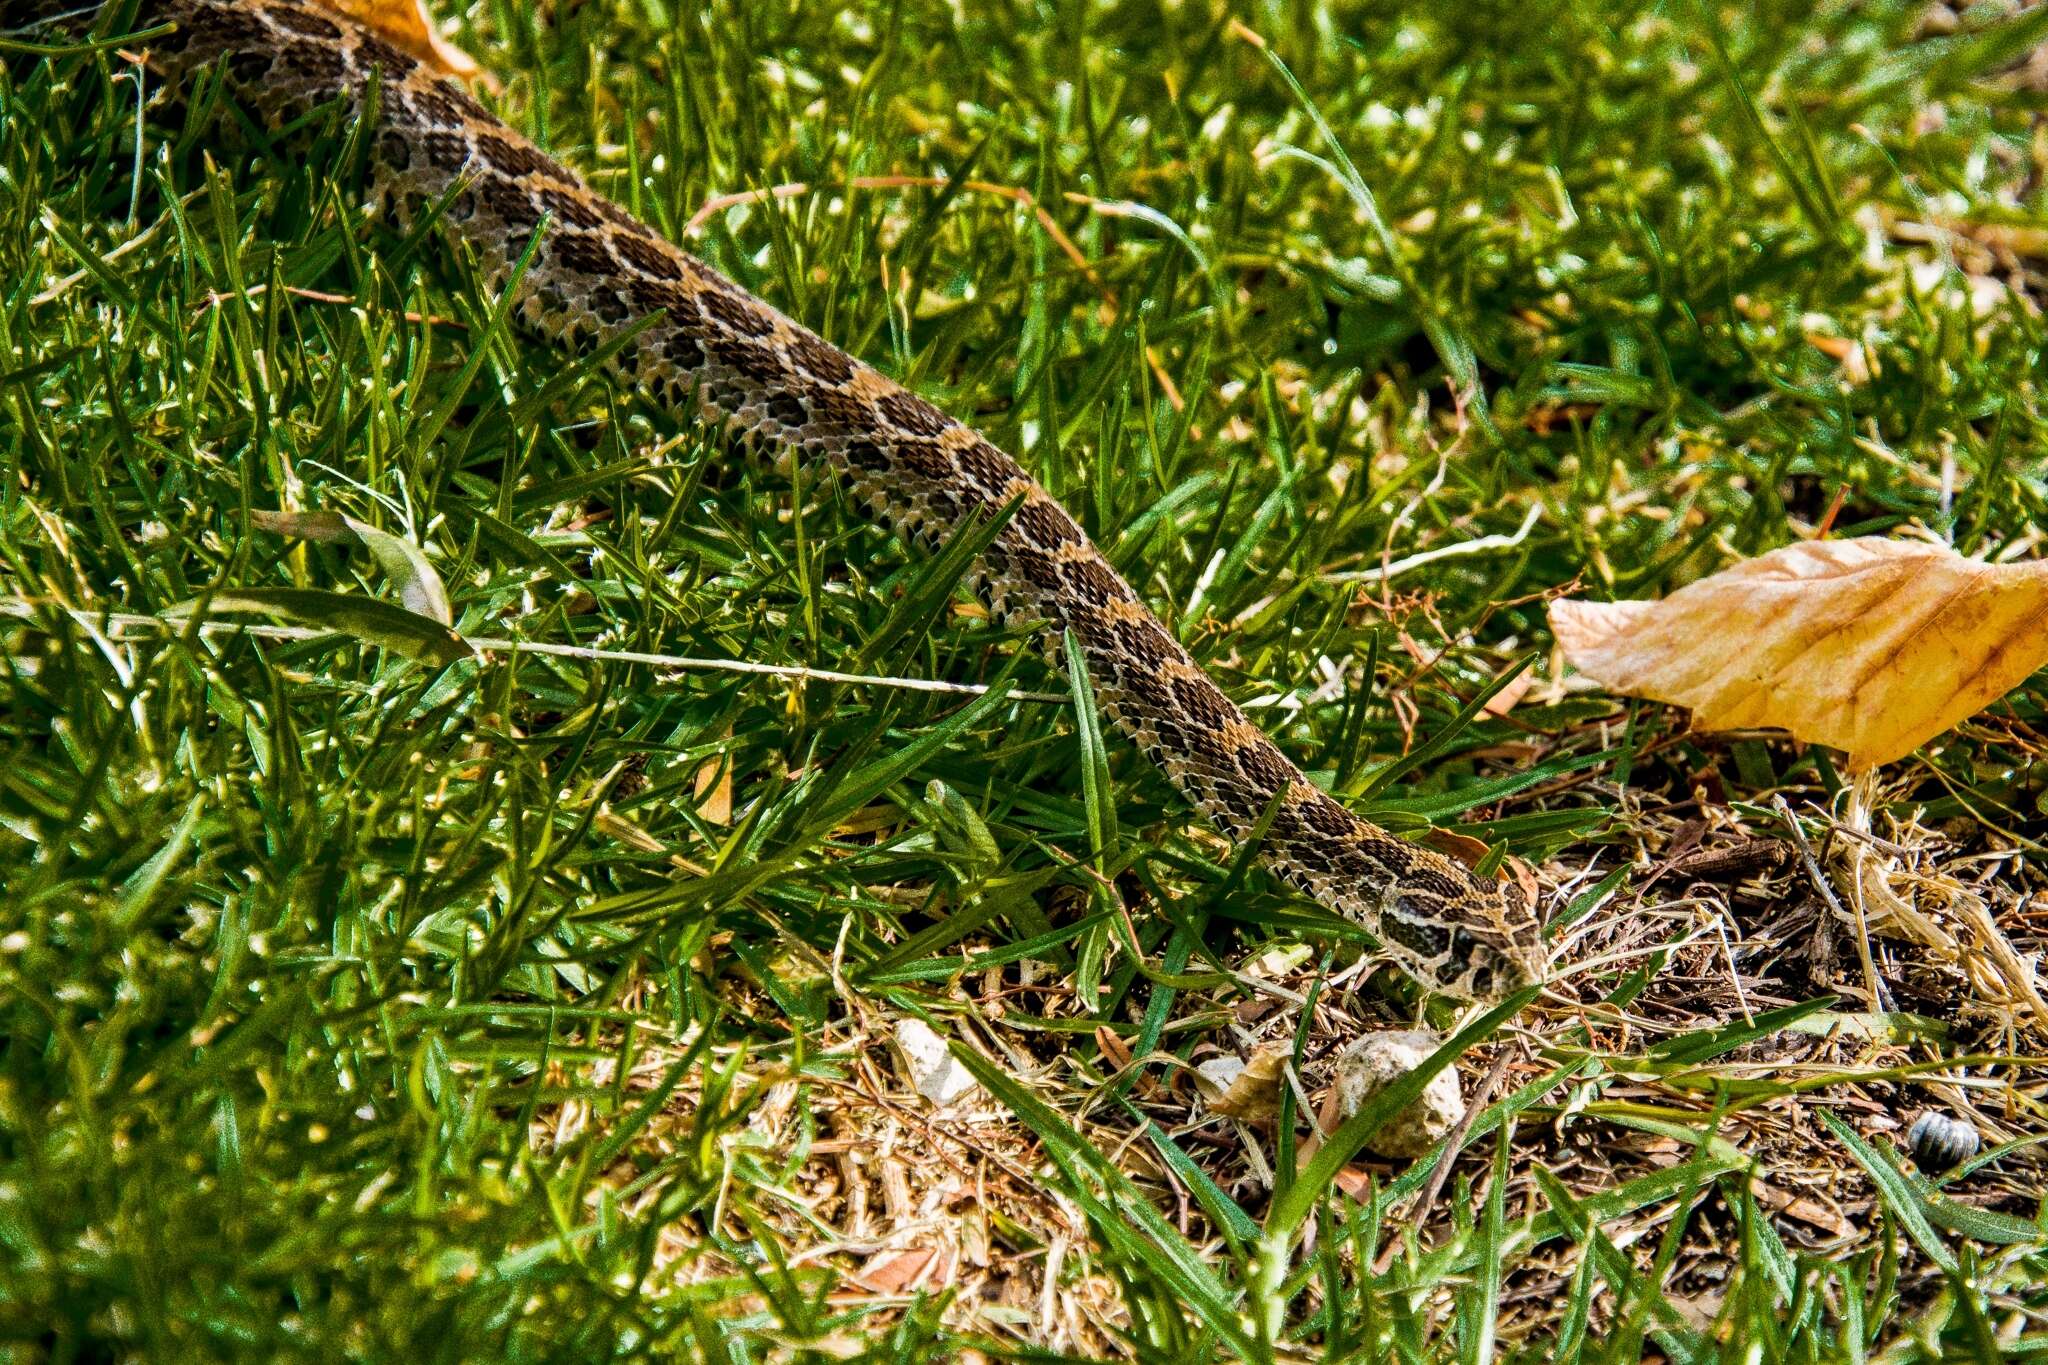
{"x": 1880, "y": 998}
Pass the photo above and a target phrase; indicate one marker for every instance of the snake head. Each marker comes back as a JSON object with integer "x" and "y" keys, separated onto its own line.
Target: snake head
{"x": 1513, "y": 935}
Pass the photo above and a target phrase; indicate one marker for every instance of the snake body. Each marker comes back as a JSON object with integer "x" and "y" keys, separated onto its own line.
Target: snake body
{"x": 714, "y": 350}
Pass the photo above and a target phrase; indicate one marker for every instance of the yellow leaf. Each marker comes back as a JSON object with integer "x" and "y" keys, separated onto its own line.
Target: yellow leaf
{"x": 406, "y": 25}
{"x": 712, "y": 786}
{"x": 1504, "y": 701}
{"x": 1873, "y": 646}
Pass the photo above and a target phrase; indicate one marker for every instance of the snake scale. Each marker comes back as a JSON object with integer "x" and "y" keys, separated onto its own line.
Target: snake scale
{"x": 714, "y": 350}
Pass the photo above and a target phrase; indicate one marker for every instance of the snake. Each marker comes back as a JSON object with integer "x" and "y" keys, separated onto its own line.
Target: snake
{"x": 580, "y": 273}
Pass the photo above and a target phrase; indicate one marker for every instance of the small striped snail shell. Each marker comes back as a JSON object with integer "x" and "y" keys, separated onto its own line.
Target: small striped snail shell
{"x": 1941, "y": 1143}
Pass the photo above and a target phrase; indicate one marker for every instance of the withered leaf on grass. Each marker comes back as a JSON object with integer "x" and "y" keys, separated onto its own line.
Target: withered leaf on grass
{"x": 418, "y": 626}
{"x": 1869, "y": 645}
{"x": 1244, "y": 1088}
{"x": 370, "y": 619}
{"x": 419, "y": 587}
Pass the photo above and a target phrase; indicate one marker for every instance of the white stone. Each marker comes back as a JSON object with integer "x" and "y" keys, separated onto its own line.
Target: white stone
{"x": 931, "y": 1065}
{"x": 1375, "y": 1062}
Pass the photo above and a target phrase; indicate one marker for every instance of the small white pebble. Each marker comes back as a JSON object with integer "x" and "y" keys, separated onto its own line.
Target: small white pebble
{"x": 930, "y": 1064}
{"x": 1375, "y": 1062}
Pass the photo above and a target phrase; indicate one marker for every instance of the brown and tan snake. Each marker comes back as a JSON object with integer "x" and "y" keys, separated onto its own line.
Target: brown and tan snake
{"x": 714, "y": 350}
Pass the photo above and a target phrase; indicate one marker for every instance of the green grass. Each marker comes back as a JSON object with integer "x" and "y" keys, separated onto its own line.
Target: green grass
{"x": 361, "y": 1006}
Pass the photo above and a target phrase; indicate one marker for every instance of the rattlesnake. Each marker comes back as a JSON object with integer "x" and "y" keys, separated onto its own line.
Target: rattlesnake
{"x": 714, "y": 350}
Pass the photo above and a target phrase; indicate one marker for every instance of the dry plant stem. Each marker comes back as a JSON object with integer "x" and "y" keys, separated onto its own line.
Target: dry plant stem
{"x": 1880, "y": 998}
{"x": 1477, "y": 545}
{"x": 1999, "y": 978}
{"x": 122, "y": 622}
{"x": 1448, "y": 1157}
{"x": 1734, "y": 975}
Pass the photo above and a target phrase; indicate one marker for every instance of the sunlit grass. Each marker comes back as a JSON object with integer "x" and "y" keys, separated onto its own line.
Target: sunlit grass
{"x": 355, "y": 1006}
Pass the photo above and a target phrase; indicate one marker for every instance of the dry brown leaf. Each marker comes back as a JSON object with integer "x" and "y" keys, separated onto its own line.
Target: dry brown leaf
{"x": 1358, "y": 1182}
{"x": 893, "y": 1272}
{"x": 1466, "y": 849}
{"x": 406, "y": 25}
{"x": 1472, "y": 852}
{"x": 1503, "y": 701}
{"x": 711, "y": 785}
{"x": 1114, "y": 1050}
{"x": 1247, "y": 1089}
{"x": 1810, "y": 1211}
{"x": 1872, "y": 646}
{"x": 717, "y": 803}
